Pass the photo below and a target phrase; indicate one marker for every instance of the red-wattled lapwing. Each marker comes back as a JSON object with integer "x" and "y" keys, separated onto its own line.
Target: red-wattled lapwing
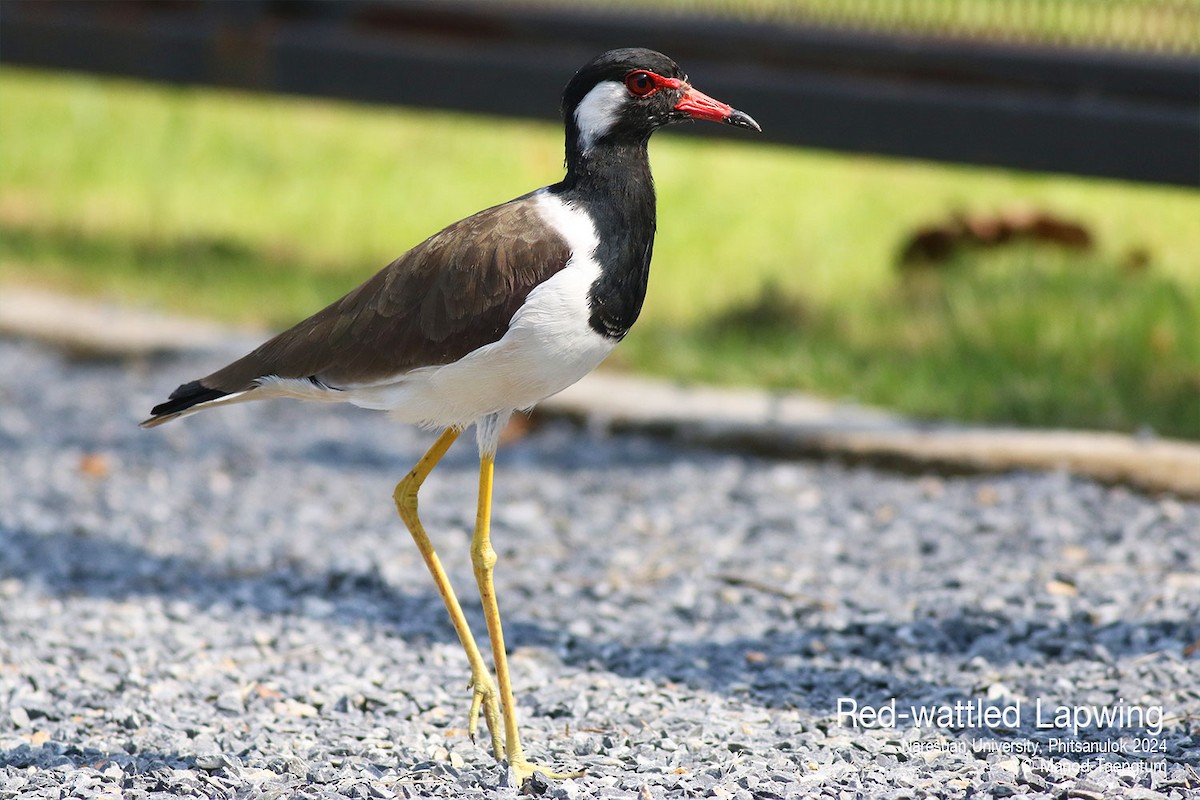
{"x": 490, "y": 316}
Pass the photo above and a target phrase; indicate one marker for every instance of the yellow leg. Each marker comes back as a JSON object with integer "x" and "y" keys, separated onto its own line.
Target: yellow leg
{"x": 483, "y": 689}
{"x": 483, "y": 558}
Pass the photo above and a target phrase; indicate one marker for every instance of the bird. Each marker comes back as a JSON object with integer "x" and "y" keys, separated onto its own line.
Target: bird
{"x": 488, "y": 317}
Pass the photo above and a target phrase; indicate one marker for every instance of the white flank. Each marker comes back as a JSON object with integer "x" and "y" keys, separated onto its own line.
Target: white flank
{"x": 549, "y": 345}
{"x": 598, "y": 110}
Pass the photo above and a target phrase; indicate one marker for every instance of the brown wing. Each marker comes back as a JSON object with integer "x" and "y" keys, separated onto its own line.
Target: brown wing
{"x": 453, "y": 293}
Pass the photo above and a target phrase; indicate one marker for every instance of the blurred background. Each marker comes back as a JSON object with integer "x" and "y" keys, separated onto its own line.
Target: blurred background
{"x": 977, "y": 210}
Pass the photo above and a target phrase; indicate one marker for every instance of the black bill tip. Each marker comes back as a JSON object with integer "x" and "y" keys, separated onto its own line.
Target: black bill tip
{"x": 740, "y": 119}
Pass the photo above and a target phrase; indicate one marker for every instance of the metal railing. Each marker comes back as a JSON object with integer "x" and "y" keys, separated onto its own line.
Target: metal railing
{"x": 1117, "y": 113}
{"x": 1138, "y": 26}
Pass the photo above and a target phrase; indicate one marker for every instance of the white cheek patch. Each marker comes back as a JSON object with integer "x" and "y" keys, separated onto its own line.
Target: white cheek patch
{"x": 598, "y": 111}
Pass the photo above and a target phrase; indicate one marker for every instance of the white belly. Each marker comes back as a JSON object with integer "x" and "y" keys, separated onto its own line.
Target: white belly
{"x": 549, "y": 345}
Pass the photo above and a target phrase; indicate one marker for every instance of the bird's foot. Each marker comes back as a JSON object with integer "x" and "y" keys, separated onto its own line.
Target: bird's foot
{"x": 523, "y": 770}
{"x": 485, "y": 697}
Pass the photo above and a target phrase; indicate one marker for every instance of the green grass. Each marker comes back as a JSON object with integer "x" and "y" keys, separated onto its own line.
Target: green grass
{"x": 261, "y": 209}
{"x": 1021, "y": 339}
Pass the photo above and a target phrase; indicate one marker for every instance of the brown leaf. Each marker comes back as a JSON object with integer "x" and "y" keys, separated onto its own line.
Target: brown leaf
{"x": 95, "y": 465}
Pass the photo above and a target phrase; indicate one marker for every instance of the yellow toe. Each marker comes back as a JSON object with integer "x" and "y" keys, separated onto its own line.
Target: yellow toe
{"x": 523, "y": 770}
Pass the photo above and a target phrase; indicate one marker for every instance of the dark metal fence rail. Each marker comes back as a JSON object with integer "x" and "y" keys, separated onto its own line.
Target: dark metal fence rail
{"x": 1141, "y": 26}
{"x": 1108, "y": 114}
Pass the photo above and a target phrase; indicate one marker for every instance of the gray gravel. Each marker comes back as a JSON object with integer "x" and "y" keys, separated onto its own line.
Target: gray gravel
{"x": 229, "y": 607}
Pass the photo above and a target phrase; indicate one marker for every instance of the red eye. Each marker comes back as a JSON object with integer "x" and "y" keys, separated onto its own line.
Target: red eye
{"x": 640, "y": 83}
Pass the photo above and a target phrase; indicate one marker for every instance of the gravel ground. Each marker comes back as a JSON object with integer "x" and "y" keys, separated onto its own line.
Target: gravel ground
{"x": 229, "y": 607}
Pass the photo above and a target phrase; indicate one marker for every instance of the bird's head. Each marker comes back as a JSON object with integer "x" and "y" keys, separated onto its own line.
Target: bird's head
{"x": 625, "y": 95}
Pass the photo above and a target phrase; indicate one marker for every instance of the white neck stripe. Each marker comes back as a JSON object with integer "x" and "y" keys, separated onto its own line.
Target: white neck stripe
{"x": 598, "y": 111}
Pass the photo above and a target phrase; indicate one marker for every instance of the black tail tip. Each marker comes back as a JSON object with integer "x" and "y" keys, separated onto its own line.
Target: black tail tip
{"x": 183, "y": 398}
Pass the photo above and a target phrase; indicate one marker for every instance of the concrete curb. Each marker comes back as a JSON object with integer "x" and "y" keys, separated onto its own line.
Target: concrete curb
{"x": 797, "y": 425}
{"x": 779, "y": 424}
{"x": 91, "y": 329}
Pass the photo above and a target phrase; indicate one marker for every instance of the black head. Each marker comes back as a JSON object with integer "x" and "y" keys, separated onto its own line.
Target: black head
{"x": 625, "y": 95}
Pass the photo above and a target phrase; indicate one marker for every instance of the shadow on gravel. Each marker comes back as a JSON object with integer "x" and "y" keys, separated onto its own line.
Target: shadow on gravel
{"x": 112, "y": 570}
{"x": 787, "y": 669}
{"x": 575, "y": 452}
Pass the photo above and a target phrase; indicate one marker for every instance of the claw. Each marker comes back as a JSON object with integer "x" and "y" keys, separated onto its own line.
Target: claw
{"x": 473, "y": 718}
{"x": 484, "y": 697}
